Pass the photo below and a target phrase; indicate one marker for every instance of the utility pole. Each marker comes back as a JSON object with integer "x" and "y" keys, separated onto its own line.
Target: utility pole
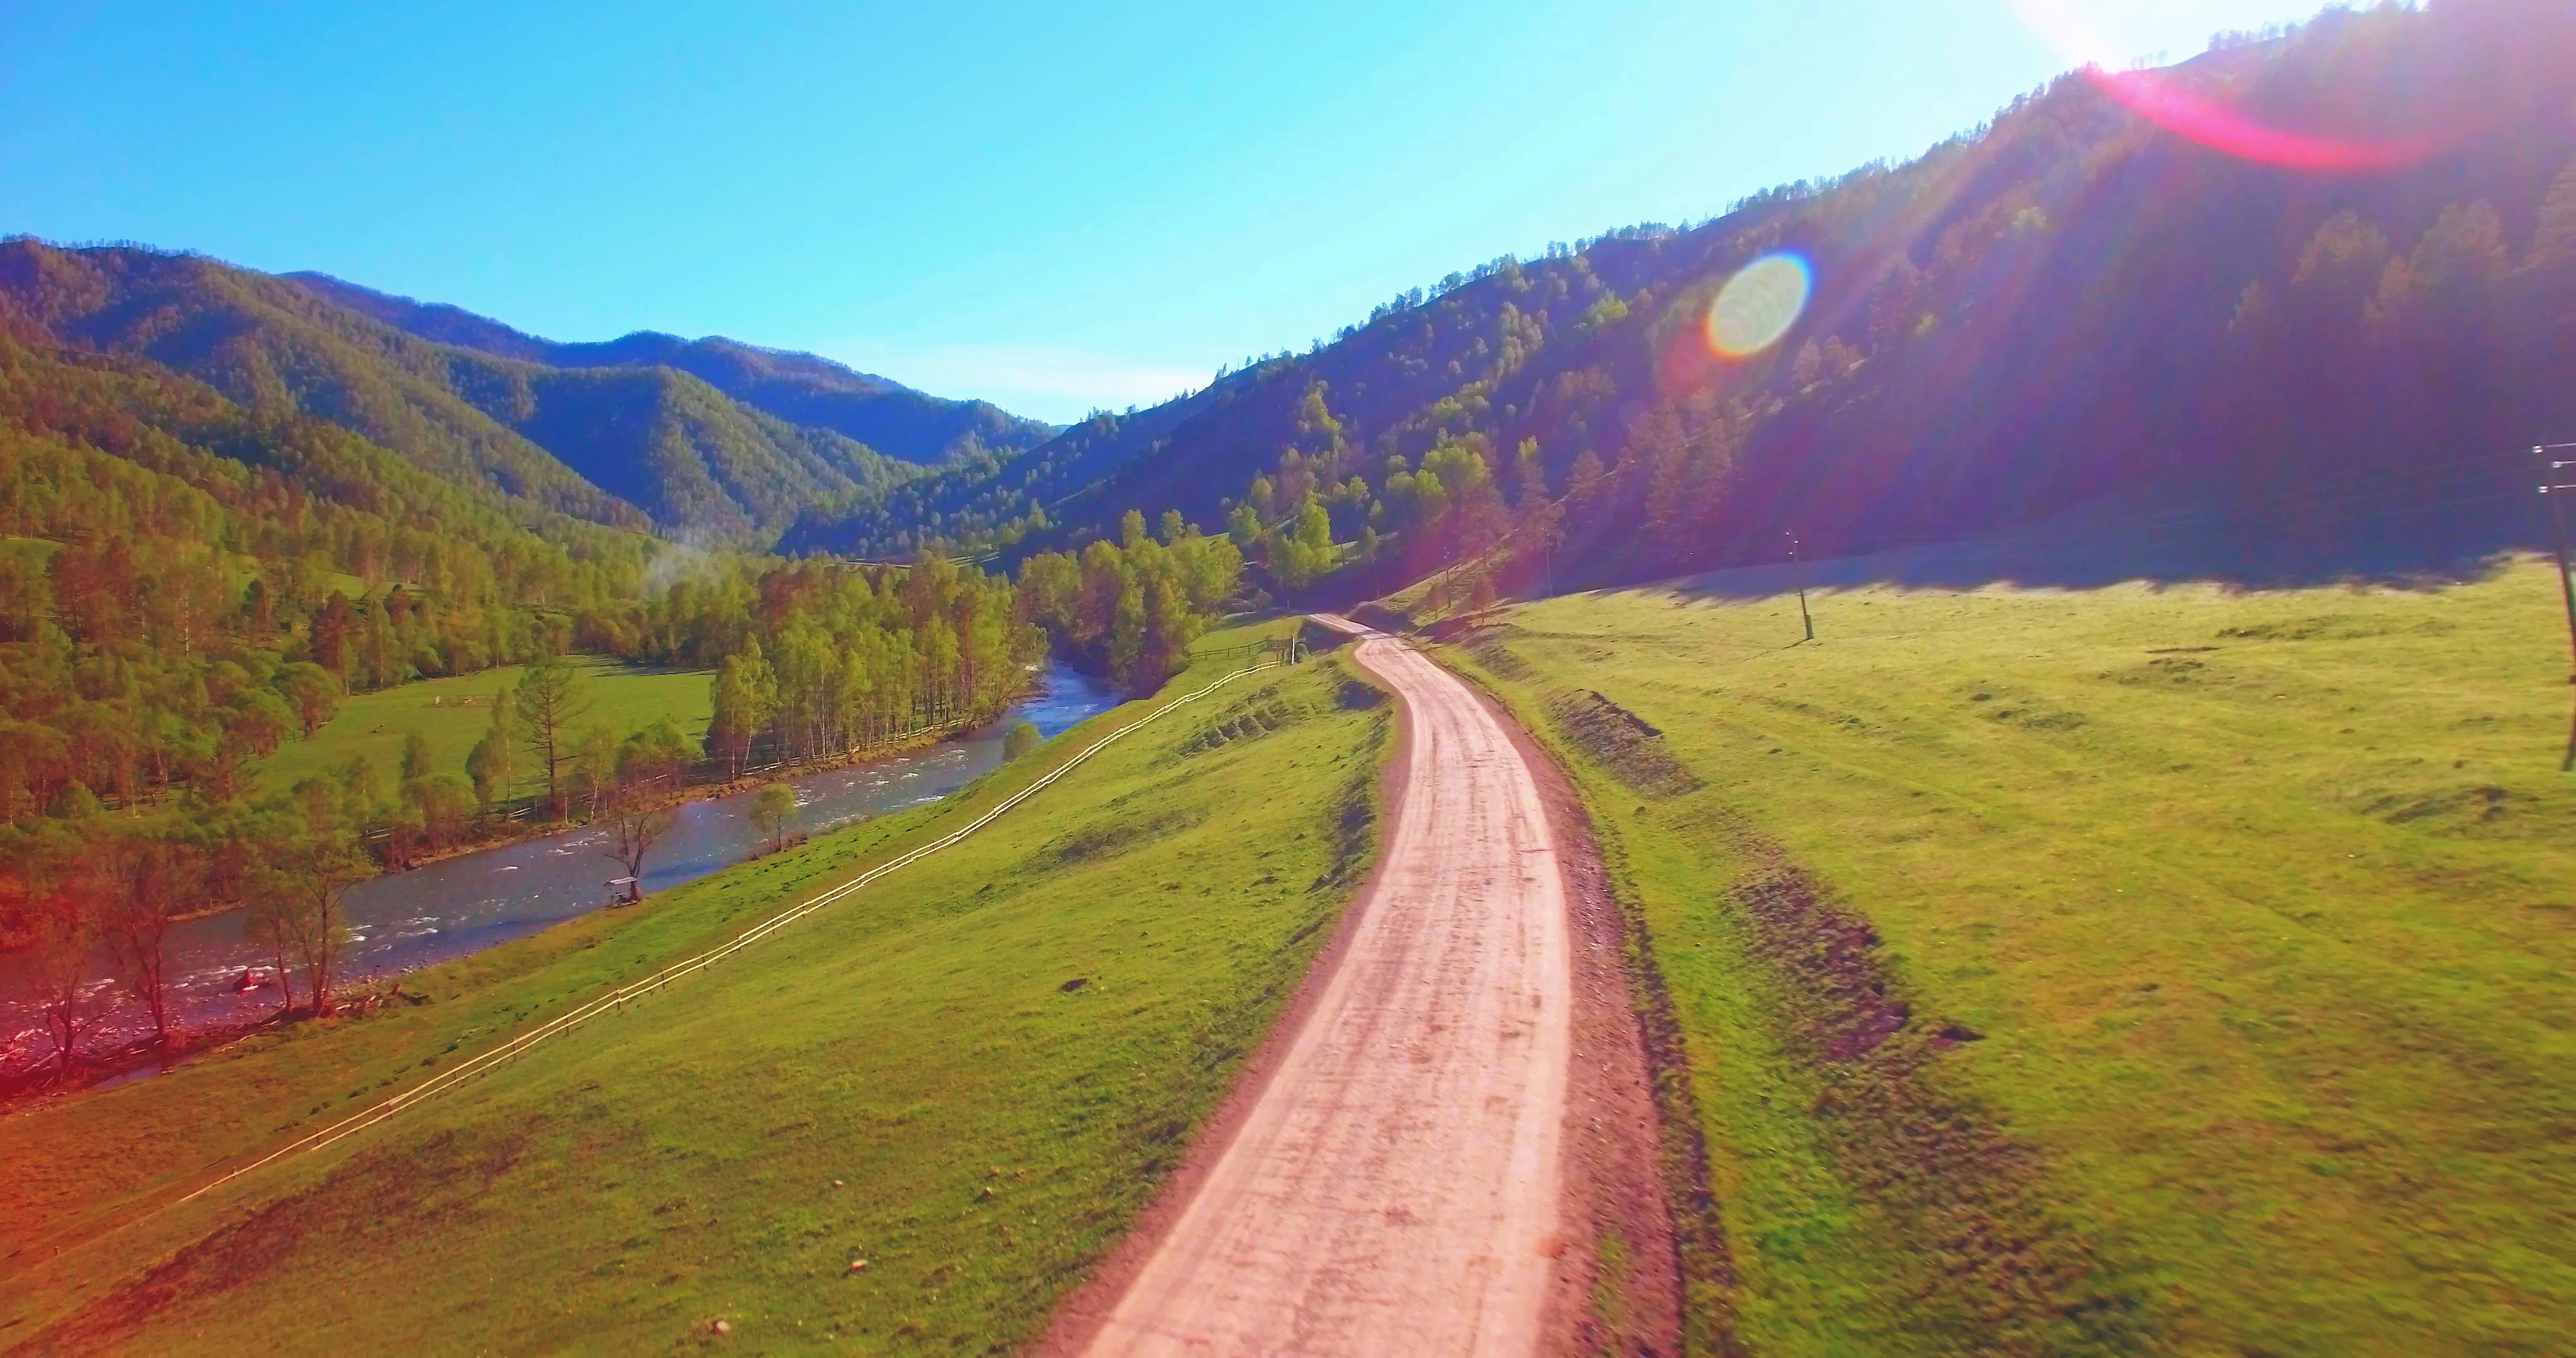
{"x": 1799, "y": 569}
{"x": 2557, "y": 482}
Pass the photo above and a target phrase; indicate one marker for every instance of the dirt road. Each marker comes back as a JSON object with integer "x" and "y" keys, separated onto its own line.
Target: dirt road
{"x": 1395, "y": 1188}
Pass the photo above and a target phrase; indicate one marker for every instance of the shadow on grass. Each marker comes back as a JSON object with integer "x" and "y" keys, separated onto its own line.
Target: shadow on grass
{"x": 2111, "y": 545}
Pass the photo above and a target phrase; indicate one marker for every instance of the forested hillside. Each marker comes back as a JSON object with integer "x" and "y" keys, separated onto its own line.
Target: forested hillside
{"x": 186, "y": 583}
{"x": 799, "y": 388}
{"x": 2072, "y": 306}
{"x": 627, "y": 446}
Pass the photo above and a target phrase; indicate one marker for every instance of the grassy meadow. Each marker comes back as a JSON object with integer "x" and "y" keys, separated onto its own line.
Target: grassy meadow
{"x": 454, "y": 713}
{"x": 2125, "y": 970}
{"x": 970, "y": 1075}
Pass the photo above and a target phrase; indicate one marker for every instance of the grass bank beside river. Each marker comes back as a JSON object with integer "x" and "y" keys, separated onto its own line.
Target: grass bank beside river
{"x": 970, "y": 1074}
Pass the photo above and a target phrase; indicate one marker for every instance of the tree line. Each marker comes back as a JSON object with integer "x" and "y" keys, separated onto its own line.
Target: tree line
{"x": 1131, "y": 608}
{"x": 810, "y": 661}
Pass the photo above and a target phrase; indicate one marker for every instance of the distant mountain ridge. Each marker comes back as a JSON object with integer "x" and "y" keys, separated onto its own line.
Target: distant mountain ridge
{"x": 801, "y": 388}
{"x": 627, "y": 445}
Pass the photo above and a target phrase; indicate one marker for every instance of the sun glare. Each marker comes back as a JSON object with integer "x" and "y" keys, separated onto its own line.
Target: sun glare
{"x": 1758, "y": 305}
{"x": 2071, "y": 27}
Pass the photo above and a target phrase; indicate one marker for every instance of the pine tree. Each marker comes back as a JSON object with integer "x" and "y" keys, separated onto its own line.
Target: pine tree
{"x": 552, "y": 701}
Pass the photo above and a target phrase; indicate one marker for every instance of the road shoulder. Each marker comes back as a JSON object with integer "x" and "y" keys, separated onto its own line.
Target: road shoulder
{"x": 1617, "y": 1287}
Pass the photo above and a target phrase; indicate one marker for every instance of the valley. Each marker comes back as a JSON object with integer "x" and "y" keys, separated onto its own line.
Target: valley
{"x": 1970, "y": 756}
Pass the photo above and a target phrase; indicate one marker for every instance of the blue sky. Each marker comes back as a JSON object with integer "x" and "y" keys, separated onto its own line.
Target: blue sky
{"x": 1044, "y": 205}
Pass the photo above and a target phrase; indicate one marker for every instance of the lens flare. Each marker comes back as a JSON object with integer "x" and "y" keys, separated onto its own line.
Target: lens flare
{"x": 1758, "y": 305}
{"x": 2178, "y": 108}
{"x": 2191, "y": 116}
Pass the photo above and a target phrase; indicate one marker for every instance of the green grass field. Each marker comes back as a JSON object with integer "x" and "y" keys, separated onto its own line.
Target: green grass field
{"x": 454, "y": 713}
{"x": 2231, "y": 935}
{"x": 971, "y": 1074}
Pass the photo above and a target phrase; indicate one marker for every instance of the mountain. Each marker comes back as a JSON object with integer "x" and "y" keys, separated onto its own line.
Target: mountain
{"x": 267, "y": 344}
{"x": 629, "y": 446}
{"x": 799, "y": 388}
{"x": 2358, "y": 306}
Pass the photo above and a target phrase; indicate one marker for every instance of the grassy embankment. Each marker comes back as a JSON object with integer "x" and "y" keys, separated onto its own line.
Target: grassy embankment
{"x": 2122, "y": 970}
{"x": 454, "y": 713}
{"x": 996, "y": 1052}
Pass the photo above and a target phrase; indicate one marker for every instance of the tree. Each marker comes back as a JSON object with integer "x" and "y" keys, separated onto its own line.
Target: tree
{"x": 1170, "y": 627}
{"x": 76, "y": 802}
{"x": 51, "y": 920}
{"x": 440, "y": 801}
{"x": 1529, "y": 478}
{"x": 415, "y": 756}
{"x": 854, "y": 696}
{"x": 257, "y": 719}
{"x": 489, "y": 765}
{"x": 361, "y": 797}
{"x": 772, "y": 811}
{"x": 1244, "y": 526}
{"x": 1127, "y": 633}
{"x": 636, "y": 822}
{"x": 1585, "y": 479}
{"x": 654, "y": 757}
{"x": 746, "y": 700}
{"x": 1021, "y": 741}
{"x": 313, "y": 693}
{"x": 594, "y": 760}
{"x": 552, "y": 700}
{"x": 1104, "y": 577}
{"x": 150, "y": 882}
{"x": 939, "y": 662}
{"x": 271, "y": 918}
{"x": 303, "y": 873}
{"x": 1308, "y": 551}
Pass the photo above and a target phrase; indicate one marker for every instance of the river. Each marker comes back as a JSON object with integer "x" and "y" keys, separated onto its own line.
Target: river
{"x": 442, "y": 911}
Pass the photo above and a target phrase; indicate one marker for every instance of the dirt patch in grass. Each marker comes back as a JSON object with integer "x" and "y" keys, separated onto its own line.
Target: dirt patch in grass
{"x": 443, "y": 1179}
{"x": 1621, "y": 742}
{"x": 1251, "y": 718}
{"x": 1485, "y": 640}
{"x": 1994, "y": 1264}
{"x": 1490, "y": 652}
{"x": 2479, "y": 802}
{"x": 1107, "y": 838}
{"x": 2333, "y": 627}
